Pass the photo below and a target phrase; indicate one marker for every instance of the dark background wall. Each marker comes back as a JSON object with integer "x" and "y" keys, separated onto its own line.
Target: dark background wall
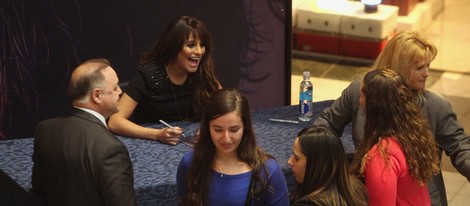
{"x": 42, "y": 41}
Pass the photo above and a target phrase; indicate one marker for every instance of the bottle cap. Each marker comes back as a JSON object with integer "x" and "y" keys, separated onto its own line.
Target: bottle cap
{"x": 306, "y": 74}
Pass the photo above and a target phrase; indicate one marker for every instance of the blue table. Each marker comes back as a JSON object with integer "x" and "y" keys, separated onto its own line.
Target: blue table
{"x": 155, "y": 164}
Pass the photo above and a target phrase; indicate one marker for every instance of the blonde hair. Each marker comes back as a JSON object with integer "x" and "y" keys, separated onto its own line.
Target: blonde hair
{"x": 404, "y": 52}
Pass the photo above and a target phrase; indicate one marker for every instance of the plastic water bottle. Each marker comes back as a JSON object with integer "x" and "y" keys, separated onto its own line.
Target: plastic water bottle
{"x": 306, "y": 98}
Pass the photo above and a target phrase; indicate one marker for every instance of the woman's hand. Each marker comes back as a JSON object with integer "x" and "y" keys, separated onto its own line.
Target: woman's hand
{"x": 166, "y": 135}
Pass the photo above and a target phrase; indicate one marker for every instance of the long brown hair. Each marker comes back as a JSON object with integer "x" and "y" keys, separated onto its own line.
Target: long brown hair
{"x": 391, "y": 111}
{"x": 327, "y": 179}
{"x": 171, "y": 43}
{"x": 199, "y": 175}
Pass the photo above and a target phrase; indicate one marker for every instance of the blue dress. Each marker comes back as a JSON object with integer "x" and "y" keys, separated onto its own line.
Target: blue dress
{"x": 232, "y": 189}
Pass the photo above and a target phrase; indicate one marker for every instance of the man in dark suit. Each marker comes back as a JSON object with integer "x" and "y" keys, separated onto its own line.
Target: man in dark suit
{"x": 77, "y": 161}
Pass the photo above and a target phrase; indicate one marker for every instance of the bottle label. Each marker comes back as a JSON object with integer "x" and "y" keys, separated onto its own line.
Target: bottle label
{"x": 305, "y": 102}
{"x": 306, "y": 95}
{"x": 304, "y": 108}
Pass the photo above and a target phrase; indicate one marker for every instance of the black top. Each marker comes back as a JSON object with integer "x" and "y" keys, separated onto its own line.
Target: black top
{"x": 157, "y": 97}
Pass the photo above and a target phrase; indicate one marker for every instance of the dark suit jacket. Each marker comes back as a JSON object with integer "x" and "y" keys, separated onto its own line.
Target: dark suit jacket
{"x": 77, "y": 161}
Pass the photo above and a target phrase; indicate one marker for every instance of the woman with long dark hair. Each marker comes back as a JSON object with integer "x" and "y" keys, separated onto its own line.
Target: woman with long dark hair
{"x": 398, "y": 154}
{"x": 321, "y": 170}
{"x": 226, "y": 166}
{"x": 173, "y": 82}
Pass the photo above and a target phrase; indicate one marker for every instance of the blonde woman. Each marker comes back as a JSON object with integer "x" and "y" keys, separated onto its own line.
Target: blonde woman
{"x": 410, "y": 56}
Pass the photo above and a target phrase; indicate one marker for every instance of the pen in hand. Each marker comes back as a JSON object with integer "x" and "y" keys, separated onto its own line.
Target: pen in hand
{"x": 168, "y": 125}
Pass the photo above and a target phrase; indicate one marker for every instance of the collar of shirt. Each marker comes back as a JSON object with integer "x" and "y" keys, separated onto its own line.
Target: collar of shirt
{"x": 94, "y": 113}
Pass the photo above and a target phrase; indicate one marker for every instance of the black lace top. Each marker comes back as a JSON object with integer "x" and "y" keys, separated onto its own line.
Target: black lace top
{"x": 156, "y": 96}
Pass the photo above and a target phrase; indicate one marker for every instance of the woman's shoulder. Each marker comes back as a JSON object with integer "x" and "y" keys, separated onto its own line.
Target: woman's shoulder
{"x": 390, "y": 143}
{"x": 187, "y": 157}
{"x": 436, "y": 107}
{"x": 152, "y": 74}
{"x": 394, "y": 145}
{"x": 434, "y": 99}
{"x": 356, "y": 84}
{"x": 150, "y": 67}
{"x": 350, "y": 95}
{"x": 271, "y": 162}
{"x": 272, "y": 165}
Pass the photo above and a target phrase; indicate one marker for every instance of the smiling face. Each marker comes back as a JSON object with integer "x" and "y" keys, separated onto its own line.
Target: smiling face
{"x": 226, "y": 132}
{"x": 298, "y": 162}
{"x": 190, "y": 56}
